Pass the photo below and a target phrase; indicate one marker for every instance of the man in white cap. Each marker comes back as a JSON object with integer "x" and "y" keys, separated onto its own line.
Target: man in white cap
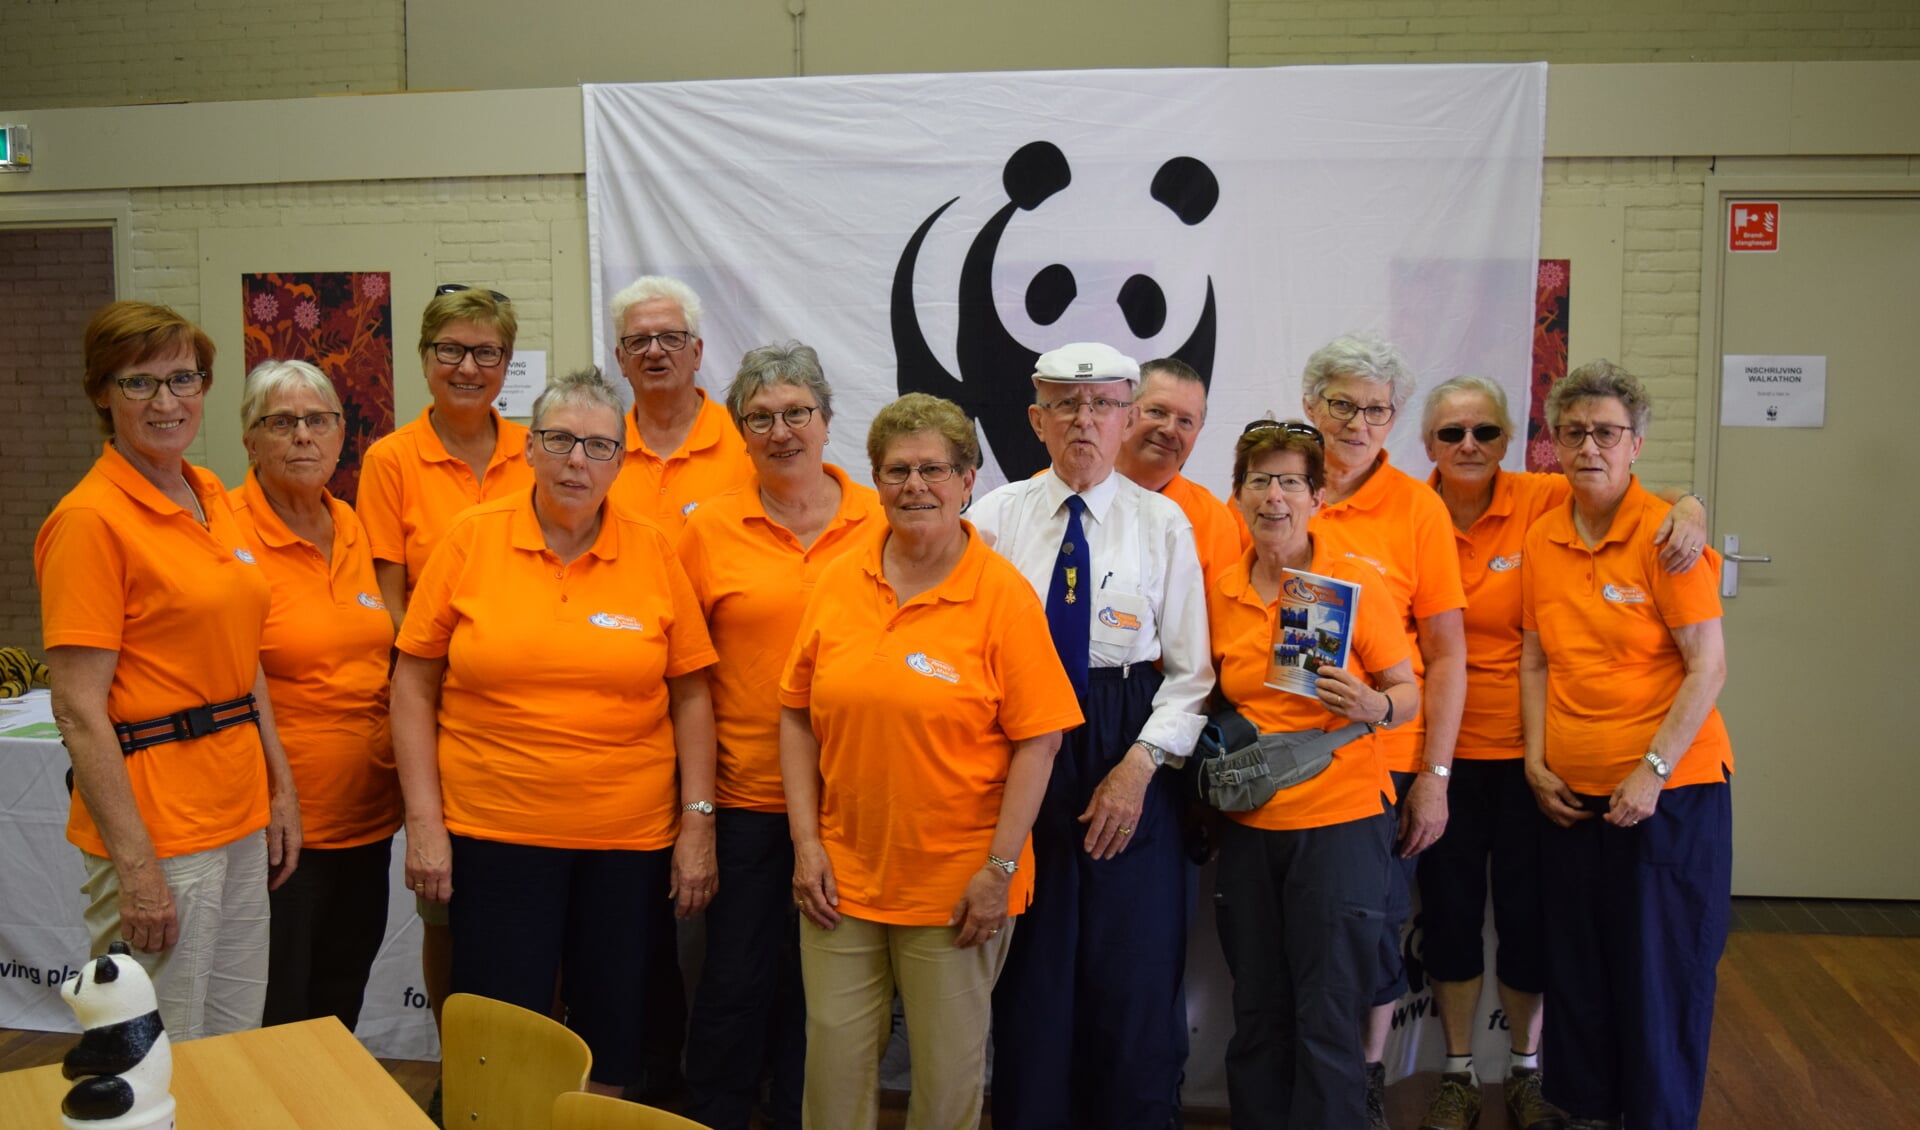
{"x": 1089, "y": 1016}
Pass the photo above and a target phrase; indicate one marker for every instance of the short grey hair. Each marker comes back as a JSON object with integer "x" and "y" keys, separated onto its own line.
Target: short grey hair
{"x": 582, "y": 386}
{"x": 646, "y": 288}
{"x": 788, "y": 363}
{"x": 1598, "y": 380}
{"x": 1465, "y": 384}
{"x": 272, "y": 377}
{"x": 1367, "y": 356}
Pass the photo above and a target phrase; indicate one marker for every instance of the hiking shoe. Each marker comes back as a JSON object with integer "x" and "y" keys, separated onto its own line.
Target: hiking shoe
{"x": 1527, "y": 1108}
{"x": 1377, "y": 1097}
{"x": 1456, "y": 1106}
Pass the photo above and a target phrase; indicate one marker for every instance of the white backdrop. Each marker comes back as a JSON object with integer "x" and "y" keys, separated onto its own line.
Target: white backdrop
{"x": 1241, "y": 217}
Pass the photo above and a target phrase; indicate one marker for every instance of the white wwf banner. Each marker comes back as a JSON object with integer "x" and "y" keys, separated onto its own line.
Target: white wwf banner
{"x": 937, "y": 232}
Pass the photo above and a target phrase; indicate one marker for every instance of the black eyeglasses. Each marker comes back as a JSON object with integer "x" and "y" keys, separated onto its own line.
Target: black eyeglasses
{"x": 1375, "y": 414}
{"x": 1290, "y": 427}
{"x": 795, "y": 418}
{"x": 1604, "y": 435}
{"x": 141, "y": 386}
{"x": 452, "y": 353}
{"x": 1259, "y": 481}
{"x": 556, "y": 442}
{"x": 456, "y": 288}
{"x": 894, "y": 474}
{"x": 672, "y": 341}
{"x": 1482, "y": 433}
{"x": 283, "y": 423}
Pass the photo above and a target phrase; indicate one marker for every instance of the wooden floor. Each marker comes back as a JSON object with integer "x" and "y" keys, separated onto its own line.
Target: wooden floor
{"x": 1809, "y": 1030}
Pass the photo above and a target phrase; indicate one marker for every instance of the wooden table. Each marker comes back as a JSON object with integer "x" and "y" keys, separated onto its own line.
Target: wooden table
{"x": 308, "y": 1076}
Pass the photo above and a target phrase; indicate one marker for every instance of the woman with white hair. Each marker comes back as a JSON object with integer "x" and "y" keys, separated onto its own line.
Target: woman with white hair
{"x": 324, "y": 649}
{"x": 1494, "y": 823}
{"x": 554, "y": 735}
{"x": 1354, "y": 388}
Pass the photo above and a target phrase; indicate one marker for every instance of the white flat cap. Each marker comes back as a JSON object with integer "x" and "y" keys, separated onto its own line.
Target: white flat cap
{"x": 1086, "y": 362}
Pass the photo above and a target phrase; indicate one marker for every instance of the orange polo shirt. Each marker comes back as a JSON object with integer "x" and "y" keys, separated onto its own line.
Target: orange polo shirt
{"x": 917, "y": 709}
{"x": 325, "y": 650}
{"x": 752, "y": 579}
{"x": 411, "y": 487}
{"x": 1396, "y": 524}
{"x": 123, "y": 568}
{"x": 1605, "y": 617}
{"x": 1242, "y": 624}
{"x": 1491, "y": 564}
{"x": 709, "y": 463}
{"x": 554, "y": 729}
{"x": 1214, "y": 534}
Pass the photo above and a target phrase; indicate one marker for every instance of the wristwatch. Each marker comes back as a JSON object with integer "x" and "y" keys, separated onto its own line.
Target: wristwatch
{"x": 1440, "y": 771}
{"x": 1154, "y": 752}
{"x": 1660, "y": 765}
{"x": 703, "y": 807}
{"x": 1007, "y": 865}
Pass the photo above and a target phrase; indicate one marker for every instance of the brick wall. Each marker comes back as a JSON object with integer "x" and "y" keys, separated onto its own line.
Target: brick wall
{"x": 1270, "y": 32}
{"x": 111, "y": 52}
{"x": 51, "y": 282}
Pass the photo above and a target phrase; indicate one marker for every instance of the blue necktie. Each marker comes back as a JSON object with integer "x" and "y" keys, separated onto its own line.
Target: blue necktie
{"x": 1070, "y": 598}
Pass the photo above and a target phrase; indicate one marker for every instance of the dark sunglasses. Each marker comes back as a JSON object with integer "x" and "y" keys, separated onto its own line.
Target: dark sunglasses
{"x": 1482, "y": 433}
{"x": 456, "y": 288}
{"x": 1290, "y": 427}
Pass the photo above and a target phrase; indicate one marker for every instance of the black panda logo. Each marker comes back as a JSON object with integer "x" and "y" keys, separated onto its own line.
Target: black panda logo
{"x": 993, "y": 386}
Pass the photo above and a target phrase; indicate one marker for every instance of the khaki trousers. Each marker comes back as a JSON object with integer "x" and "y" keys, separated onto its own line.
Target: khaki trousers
{"x": 851, "y": 973}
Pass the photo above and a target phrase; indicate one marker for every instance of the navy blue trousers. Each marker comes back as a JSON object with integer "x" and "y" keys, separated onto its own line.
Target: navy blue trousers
{"x": 749, "y": 1014}
{"x": 1299, "y": 916}
{"x": 1089, "y": 1021}
{"x": 521, "y": 915}
{"x": 1390, "y": 980}
{"x": 1493, "y": 823}
{"x": 1636, "y": 921}
{"x": 329, "y": 919}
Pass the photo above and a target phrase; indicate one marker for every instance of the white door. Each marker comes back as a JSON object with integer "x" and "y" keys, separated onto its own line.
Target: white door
{"x": 1823, "y": 643}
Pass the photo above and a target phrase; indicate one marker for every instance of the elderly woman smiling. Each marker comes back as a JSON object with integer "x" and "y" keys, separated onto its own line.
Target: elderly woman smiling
{"x": 1629, "y": 759}
{"x": 753, "y": 557}
{"x": 918, "y": 727}
{"x": 325, "y": 650}
{"x": 152, "y": 605}
{"x": 554, "y": 734}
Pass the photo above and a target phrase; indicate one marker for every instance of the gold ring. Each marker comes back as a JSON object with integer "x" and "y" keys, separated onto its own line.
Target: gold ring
{"x": 1125, "y": 831}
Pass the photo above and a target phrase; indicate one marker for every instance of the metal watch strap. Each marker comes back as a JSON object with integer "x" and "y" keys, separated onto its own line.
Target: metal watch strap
{"x": 1007, "y": 865}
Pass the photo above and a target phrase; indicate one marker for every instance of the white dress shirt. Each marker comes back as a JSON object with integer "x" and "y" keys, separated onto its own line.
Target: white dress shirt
{"x": 1149, "y": 600}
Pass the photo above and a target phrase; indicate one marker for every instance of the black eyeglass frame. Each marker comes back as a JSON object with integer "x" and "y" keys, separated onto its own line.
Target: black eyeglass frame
{"x": 1482, "y": 433}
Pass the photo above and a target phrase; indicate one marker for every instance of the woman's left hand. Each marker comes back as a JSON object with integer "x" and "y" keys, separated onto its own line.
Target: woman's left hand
{"x": 1636, "y": 798}
{"x": 696, "y": 867}
{"x": 1343, "y": 693}
{"x": 982, "y": 910}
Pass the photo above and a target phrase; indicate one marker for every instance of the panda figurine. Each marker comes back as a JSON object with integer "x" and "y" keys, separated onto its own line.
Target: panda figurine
{"x": 123, "y": 1062}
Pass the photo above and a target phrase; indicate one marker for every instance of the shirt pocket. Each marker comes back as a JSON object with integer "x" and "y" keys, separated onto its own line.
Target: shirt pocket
{"x": 1122, "y": 621}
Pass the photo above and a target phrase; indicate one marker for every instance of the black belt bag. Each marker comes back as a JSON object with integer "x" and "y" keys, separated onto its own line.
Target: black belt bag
{"x": 193, "y": 722}
{"x": 1236, "y": 768}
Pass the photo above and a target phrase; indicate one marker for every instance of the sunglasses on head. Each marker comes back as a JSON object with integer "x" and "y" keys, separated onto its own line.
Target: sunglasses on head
{"x": 1290, "y": 427}
{"x": 1482, "y": 433}
{"x": 455, "y": 288}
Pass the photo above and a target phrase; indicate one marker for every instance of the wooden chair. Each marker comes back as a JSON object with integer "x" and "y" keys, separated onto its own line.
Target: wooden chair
{"x": 579, "y": 1110}
{"x": 501, "y": 1065}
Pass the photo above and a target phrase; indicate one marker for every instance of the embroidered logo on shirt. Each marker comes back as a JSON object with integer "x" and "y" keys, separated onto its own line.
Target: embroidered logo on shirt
{"x": 1502, "y": 564}
{"x": 244, "y": 554}
{"x": 368, "y": 600}
{"x": 1125, "y": 621}
{"x": 1377, "y": 567}
{"x": 935, "y": 668}
{"x": 689, "y": 508}
{"x": 618, "y": 620}
{"x": 1624, "y": 594}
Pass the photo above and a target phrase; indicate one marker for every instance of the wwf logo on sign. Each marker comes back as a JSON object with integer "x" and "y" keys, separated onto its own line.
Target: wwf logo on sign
{"x": 993, "y": 383}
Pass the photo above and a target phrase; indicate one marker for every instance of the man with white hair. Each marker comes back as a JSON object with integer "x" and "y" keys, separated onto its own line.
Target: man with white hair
{"x": 681, "y": 448}
{"x": 1089, "y": 1015}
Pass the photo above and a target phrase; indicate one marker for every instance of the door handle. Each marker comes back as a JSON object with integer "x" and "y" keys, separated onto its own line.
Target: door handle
{"x": 1730, "y": 561}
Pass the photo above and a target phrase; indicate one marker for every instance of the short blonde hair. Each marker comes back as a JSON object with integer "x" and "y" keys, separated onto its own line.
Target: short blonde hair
{"x": 479, "y": 307}
{"x": 918, "y": 412}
